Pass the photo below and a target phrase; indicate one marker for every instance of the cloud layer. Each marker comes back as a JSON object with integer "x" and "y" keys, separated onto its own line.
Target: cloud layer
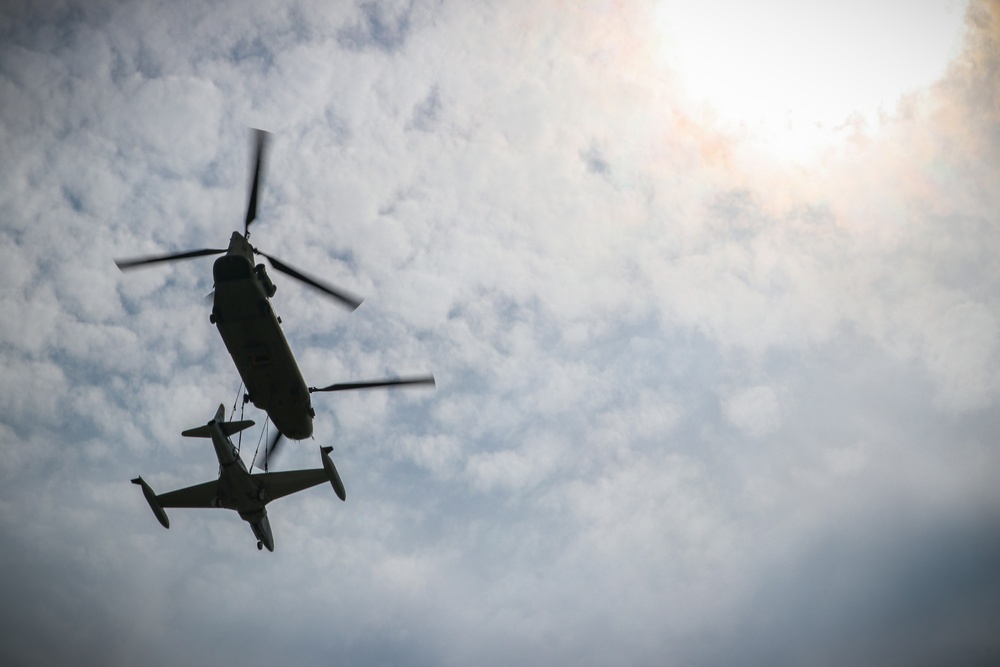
{"x": 698, "y": 403}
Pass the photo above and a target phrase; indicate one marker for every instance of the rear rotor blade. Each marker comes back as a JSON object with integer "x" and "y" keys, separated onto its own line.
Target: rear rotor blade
{"x": 346, "y": 298}
{"x": 369, "y": 384}
{"x": 269, "y": 451}
{"x": 260, "y": 139}
{"x": 153, "y": 259}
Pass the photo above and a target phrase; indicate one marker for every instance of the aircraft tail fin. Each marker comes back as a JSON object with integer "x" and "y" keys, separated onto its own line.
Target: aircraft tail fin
{"x": 227, "y": 427}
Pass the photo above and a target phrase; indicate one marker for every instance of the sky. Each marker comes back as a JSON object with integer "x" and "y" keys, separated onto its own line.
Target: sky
{"x": 710, "y": 293}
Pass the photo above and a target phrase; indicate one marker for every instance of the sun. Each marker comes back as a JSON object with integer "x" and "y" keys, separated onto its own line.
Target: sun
{"x": 796, "y": 72}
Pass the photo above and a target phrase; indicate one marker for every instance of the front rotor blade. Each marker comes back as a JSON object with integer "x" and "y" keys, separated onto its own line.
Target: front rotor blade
{"x": 346, "y": 298}
{"x": 153, "y": 259}
{"x": 369, "y": 384}
{"x": 260, "y": 138}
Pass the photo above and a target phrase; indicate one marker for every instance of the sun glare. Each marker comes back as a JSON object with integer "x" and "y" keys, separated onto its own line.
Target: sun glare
{"x": 795, "y": 72}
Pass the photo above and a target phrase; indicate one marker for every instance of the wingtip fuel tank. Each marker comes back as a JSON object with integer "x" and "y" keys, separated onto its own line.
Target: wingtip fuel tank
{"x": 154, "y": 504}
{"x": 332, "y": 474}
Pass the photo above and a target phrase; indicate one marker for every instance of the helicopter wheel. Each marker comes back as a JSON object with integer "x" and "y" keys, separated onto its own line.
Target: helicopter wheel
{"x": 260, "y": 545}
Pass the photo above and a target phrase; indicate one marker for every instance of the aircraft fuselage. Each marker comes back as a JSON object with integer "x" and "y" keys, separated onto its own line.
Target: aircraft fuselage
{"x": 252, "y": 334}
{"x": 237, "y": 489}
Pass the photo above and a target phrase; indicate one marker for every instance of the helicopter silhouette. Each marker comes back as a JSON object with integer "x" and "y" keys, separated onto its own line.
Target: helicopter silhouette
{"x": 251, "y": 331}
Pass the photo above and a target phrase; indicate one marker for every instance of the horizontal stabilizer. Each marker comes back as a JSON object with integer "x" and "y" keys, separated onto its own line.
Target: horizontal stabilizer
{"x": 227, "y": 427}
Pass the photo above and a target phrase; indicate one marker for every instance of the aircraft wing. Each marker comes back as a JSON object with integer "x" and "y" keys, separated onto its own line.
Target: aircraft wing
{"x": 202, "y": 495}
{"x": 280, "y": 484}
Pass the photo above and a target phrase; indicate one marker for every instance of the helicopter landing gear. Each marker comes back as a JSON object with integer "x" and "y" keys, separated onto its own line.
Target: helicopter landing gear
{"x": 260, "y": 545}
{"x": 246, "y": 398}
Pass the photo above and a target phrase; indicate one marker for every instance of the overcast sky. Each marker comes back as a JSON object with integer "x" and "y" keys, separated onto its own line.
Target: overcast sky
{"x": 710, "y": 291}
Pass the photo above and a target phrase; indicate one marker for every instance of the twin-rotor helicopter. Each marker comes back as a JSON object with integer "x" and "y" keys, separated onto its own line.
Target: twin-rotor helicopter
{"x": 252, "y": 332}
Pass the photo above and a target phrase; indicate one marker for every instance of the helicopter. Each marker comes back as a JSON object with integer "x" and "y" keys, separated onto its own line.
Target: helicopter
{"x": 237, "y": 489}
{"x": 251, "y": 330}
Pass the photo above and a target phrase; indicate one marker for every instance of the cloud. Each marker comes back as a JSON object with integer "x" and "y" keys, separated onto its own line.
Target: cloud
{"x": 755, "y": 411}
{"x": 698, "y": 402}
{"x": 378, "y": 27}
{"x": 864, "y": 599}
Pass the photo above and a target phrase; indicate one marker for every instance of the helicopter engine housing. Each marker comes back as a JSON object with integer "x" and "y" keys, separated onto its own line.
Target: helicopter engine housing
{"x": 265, "y": 281}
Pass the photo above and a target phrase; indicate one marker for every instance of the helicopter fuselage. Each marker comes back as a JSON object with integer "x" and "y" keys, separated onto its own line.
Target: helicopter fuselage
{"x": 252, "y": 334}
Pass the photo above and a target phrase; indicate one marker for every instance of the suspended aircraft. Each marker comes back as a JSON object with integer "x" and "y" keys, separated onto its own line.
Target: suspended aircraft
{"x": 252, "y": 332}
{"x": 237, "y": 489}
